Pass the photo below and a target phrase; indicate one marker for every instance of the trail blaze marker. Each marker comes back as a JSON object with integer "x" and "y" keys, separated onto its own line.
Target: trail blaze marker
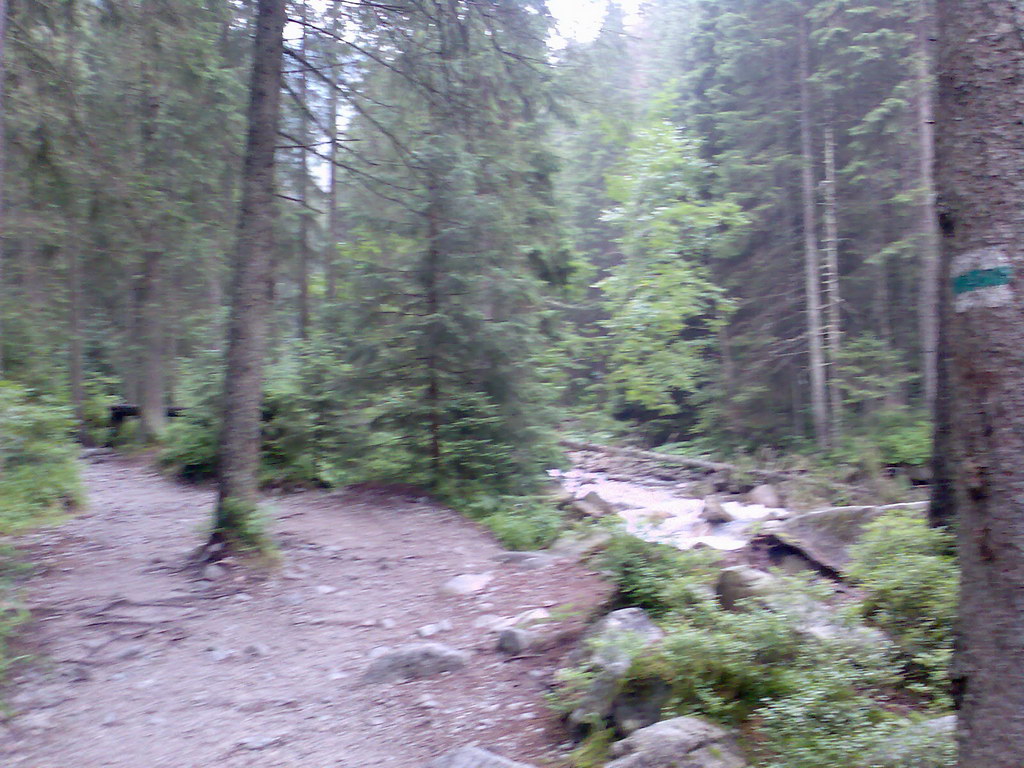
{"x": 982, "y": 279}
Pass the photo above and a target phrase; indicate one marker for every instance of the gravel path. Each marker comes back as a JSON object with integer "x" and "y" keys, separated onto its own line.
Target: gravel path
{"x": 136, "y": 662}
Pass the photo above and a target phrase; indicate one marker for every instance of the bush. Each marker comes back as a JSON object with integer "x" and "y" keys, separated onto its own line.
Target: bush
{"x": 910, "y": 577}
{"x": 38, "y": 474}
{"x": 801, "y": 696}
{"x": 520, "y": 523}
{"x": 657, "y": 577}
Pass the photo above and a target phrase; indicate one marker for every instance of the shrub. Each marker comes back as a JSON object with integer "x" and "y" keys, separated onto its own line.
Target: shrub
{"x": 910, "y": 578}
{"x": 38, "y": 473}
{"x": 520, "y": 523}
{"x": 657, "y": 577}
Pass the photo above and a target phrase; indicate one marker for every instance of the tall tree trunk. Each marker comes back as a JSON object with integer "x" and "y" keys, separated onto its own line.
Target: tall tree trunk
{"x": 243, "y": 383}
{"x": 812, "y": 265}
{"x": 75, "y": 364}
{"x": 942, "y": 505}
{"x": 980, "y": 153}
{"x": 304, "y": 139}
{"x": 833, "y": 330}
{"x": 152, "y": 403}
{"x": 333, "y": 215}
{"x": 3, "y": 173}
{"x": 928, "y": 302}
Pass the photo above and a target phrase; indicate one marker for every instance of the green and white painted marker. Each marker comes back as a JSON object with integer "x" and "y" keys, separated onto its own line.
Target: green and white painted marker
{"x": 981, "y": 279}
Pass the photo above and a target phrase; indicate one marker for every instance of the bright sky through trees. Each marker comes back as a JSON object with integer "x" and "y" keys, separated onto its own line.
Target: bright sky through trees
{"x": 581, "y": 19}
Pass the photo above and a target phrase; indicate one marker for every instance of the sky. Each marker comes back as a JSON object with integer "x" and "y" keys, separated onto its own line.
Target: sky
{"x": 581, "y": 19}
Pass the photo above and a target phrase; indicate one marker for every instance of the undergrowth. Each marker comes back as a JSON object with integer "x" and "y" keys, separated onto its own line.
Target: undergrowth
{"x": 806, "y": 685}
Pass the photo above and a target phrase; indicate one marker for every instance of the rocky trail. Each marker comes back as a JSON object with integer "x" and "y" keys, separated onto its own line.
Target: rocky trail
{"x": 135, "y": 661}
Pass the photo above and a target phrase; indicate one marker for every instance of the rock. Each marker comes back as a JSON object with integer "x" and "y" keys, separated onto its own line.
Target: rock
{"x": 640, "y": 704}
{"x": 765, "y": 495}
{"x": 473, "y": 757}
{"x": 466, "y": 584}
{"x": 595, "y": 500}
{"x": 257, "y": 743}
{"x": 826, "y": 536}
{"x": 429, "y": 630}
{"x": 930, "y": 742}
{"x": 515, "y": 641}
{"x": 533, "y": 616}
{"x": 682, "y": 742}
{"x": 411, "y": 662}
{"x": 740, "y": 583}
{"x": 610, "y": 647}
{"x": 527, "y": 560}
{"x": 212, "y": 572}
{"x": 715, "y": 513}
{"x": 579, "y": 547}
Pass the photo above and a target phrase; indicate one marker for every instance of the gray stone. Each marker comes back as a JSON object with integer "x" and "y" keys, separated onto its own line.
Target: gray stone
{"x": 640, "y": 704}
{"x": 578, "y": 547}
{"x": 473, "y": 757}
{"x": 740, "y": 583}
{"x": 765, "y": 495}
{"x": 515, "y": 641}
{"x": 466, "y": 584}
{"x": 683, "y": 742}
{"x": 212, "y": 572}
{"x": 594, "y": 500}
{"x": 715, "y": 513}
{"x": 609, "y": 649}
{"x": 826, "y": 536}
{"x": 527, "y": 560}
{"x": 410, "y": 662}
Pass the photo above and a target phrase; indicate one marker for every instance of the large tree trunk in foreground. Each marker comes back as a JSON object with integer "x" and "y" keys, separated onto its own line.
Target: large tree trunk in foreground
{"x": 980, "y": 156}
{"x": 243, "y": 383}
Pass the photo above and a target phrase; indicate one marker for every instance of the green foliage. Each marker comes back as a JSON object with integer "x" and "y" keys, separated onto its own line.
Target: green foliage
{"x": 664, "y": 308}
{"x": 38, "y": 473}
{"x": 242, "y": 526}
{"x": 806, "y": 684}
{"x": 593, "y": 751}
{"x": 910, "y": 577}
{"x": 657, "y": 577}
{"x": 520, "y": 523}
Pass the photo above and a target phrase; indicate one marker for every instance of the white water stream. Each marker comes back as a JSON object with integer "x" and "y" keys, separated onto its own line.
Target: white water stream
{"x": 664, "y": 514}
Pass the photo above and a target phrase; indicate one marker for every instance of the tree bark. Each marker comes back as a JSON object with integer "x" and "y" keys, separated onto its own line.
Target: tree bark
{"x": 812, "y": 265}
{"x": 247, "y": 327}
{"x": 75, "y": 363}
{"x": 152, "y": 401}
{"x": 930, "y": 257}
{"x": 980, "y": 153}
{"x": 3, "y": 172}
{"x": 333, "y": 215}
{"x": 304, "y": 139}
{"x": 833, "y": 331}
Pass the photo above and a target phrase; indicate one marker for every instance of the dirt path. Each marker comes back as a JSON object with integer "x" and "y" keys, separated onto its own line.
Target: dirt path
{"x": 138, "y": 663}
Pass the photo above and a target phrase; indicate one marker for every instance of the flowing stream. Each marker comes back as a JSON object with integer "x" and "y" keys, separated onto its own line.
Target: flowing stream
{"x": 664, "y": 513}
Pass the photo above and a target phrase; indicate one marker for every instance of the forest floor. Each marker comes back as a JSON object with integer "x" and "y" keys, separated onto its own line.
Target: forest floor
{"x": 134, "y": 660}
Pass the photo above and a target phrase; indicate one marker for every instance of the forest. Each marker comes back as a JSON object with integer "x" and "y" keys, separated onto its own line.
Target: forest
{"x": 451, "y": 248}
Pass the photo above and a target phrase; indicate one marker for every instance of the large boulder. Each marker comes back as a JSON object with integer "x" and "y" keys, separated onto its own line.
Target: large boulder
{"x": 473, "y": 757}
{"x": 410, "y": 662}
{"x": 609, "y": 648}
{"x": 826, "y": 536}
{"x": 683, "y": 742}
